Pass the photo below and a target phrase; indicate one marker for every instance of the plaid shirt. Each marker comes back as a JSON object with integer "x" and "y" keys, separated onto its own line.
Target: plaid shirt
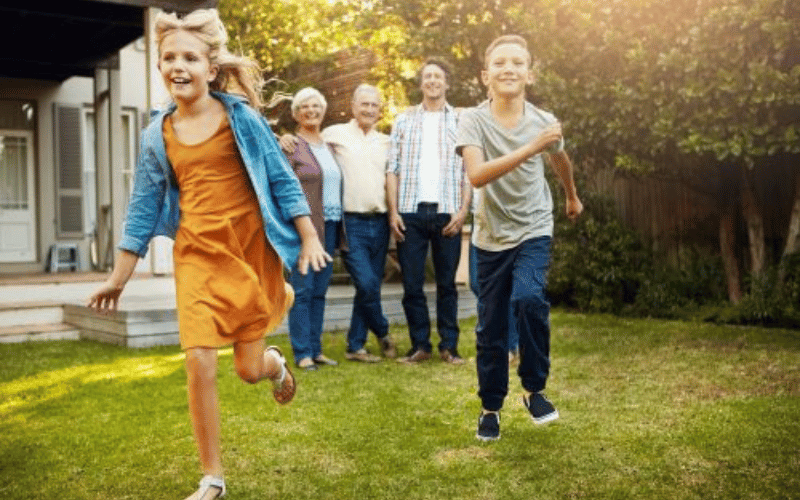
{"x": 405, "y": 150}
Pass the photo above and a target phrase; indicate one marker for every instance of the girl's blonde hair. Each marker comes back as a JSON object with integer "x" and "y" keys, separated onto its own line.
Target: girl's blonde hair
{"x": 236, "y": 73}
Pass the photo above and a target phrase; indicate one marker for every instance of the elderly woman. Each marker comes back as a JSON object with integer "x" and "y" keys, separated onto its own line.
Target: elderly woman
{"x": 321, "y": 180}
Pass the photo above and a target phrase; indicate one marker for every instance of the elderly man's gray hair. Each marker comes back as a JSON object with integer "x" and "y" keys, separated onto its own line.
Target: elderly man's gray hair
{"x": 367, "y": 89}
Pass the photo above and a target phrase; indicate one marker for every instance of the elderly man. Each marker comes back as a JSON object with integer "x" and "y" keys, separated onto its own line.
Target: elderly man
{"x": 361, "y": 151}
{"x": 428, "y": 201}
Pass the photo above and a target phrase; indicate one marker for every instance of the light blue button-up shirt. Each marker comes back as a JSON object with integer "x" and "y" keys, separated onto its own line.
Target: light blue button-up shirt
{"x": 154, "y": 210}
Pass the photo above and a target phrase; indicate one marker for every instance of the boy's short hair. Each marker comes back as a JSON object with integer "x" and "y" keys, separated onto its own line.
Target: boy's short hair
{"x": 435, "y": 61}
{"x": 503, "y": 40}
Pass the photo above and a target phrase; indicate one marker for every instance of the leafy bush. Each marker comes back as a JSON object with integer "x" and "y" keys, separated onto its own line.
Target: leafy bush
{"x": 601, "y": 266}
{"x": 598, "y": 265}
{"x": 669, "y": 292}
{"x": 769, "y": 302}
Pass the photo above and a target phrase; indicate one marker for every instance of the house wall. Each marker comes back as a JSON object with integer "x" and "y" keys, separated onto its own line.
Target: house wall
{"x": 77, "y": 91}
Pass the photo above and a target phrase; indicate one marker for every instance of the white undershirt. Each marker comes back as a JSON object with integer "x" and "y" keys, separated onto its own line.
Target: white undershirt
{"x": 428, "y": 179}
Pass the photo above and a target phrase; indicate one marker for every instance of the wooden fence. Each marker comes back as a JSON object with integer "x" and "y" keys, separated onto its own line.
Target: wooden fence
{"x": 674, "y": 216}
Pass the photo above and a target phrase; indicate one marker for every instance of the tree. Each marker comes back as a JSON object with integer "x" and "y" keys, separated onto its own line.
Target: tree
{"x": 279, "y": 33}
{"x": 691, "y": 89}
{"x": 706, "y": 92}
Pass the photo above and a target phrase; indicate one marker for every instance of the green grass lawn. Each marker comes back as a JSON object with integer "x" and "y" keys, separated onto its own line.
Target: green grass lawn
{"x": 649, "y": 410}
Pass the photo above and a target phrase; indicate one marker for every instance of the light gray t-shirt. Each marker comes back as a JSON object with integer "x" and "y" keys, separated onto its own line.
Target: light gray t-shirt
{"x": 517, "y": 206}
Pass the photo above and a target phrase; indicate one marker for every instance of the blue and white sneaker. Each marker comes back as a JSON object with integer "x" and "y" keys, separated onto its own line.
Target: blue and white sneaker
{"x": 541, "y": 409}
{"x": 488, "y": 426}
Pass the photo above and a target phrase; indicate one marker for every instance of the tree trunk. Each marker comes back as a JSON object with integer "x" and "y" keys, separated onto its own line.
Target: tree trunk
{"x": 755, "y": 225}
{"x": 793, "y": 236}
{"x": 727, "y": 244}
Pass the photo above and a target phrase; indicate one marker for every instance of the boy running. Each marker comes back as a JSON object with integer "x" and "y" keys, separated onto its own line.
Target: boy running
{"x": 503, "y": 142}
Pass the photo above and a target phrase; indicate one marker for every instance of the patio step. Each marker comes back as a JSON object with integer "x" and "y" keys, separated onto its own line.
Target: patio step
{"x": 36, "y": 332}
{"x": 151, "y": 323}
{"x": 30, "y": 313}
{"x": 145, "y": 327}
{"x": 147, "y": 313}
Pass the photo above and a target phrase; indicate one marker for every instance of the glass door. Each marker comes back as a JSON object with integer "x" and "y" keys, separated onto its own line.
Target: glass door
{"x": 17, "y": 211}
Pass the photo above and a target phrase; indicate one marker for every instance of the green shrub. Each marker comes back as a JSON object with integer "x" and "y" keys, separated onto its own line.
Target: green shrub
{"x": 598, "y": 265}
{"x": 768, "y": 302}
{"x": 670, "y": 292}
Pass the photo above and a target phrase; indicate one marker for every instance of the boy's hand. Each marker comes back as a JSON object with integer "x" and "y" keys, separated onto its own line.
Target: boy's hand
{"x": 550, "y": 136}
{"x": 574, "y": 208}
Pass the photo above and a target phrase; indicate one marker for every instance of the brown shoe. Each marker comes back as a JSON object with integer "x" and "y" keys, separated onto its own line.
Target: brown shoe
{"x": 307, "y": 364}
{"x": 363, "y": 356}
{"x": 414, "y": 357}
{"x": 451, "y": 356}
{"x": 388, "y": 348}
{"x": 325, "y": 360}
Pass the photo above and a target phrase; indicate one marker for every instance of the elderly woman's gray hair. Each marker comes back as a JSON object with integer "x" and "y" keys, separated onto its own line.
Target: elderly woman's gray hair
{"x": 305, "y": 94}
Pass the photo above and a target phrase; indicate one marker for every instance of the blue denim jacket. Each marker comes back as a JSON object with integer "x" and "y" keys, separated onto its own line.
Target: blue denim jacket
{"x": 153, "y": 209}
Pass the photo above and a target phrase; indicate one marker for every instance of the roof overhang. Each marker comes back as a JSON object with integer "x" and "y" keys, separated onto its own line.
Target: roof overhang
{"x": 54, "y": 40}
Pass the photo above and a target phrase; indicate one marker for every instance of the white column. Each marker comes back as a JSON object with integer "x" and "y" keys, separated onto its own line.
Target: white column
{"x": 116, "y": 161}
{"x": 110, "y": 185}
{"x": 102, "y": 156}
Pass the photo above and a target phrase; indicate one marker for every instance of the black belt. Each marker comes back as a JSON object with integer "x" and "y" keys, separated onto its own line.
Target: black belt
{"x": 365, "y": 215}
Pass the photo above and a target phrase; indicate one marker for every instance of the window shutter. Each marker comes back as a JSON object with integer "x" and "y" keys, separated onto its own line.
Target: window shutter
{"x": 68, "y": 171}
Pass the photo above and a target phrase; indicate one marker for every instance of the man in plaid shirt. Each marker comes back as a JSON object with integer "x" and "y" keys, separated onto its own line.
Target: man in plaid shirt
{"x": 428, "y": 198}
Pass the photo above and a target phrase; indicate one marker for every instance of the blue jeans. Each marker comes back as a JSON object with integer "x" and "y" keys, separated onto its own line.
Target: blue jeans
{"x": 367, "y": 241}
{"x": 513, "y": 336}
{"x": 424, "y": 228}
{"x": 523, "y": 270}
{"x": 305, "y": 317}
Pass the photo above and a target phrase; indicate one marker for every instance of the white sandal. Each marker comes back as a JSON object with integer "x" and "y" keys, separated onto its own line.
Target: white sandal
{"x": 205, "y": 486}
{"x": 285, "y": 385}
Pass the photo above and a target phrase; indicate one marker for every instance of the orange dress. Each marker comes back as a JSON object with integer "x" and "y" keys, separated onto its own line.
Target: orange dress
{"x": 228, "y": 278}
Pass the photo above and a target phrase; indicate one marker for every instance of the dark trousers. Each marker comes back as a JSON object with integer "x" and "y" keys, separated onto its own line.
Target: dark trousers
{"x": 424, "y": 229}
{"x": 367, "y": 242}
{"x": 513, "y": 336}
{"x": 307, "y": 314}
{"x": 523, "y": 271}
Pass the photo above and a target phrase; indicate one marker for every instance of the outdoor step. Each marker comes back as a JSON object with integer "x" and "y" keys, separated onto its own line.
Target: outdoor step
{"x": 26, "y": 333}
{"x": 132, "y": 328}
{"x": 30, "y": 313}
{"x": 155, "y": 322}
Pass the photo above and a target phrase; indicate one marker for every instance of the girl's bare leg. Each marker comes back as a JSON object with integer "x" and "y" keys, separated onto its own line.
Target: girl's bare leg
{"x": 254, "y": 364}
{"x": 201, "y": 374}
{"x": 251, "y": 364}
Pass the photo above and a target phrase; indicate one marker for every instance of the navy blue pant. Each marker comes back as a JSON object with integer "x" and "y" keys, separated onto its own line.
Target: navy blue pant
{"x": 424, "y": 229}
{"x": 523, "y": 270}
{"x": 513, "y": 336}
{"x": 305, "y": 317}
{"x": 367, "y": 242}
